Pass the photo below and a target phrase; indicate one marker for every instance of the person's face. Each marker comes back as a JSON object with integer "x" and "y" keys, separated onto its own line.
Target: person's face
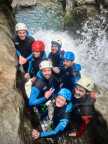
{"x": 47, "y": 72}
{"x": 54, "y": 50}
{"x": 36, "y": 54}
{"x": 67, "y": 63}
{"x": 22, "y": 34}
{"x": 79, "y": 92}
{"x": 60, "y": 101}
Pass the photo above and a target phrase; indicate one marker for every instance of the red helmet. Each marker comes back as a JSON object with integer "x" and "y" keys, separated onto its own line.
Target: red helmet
{"x": 38, "y": 46}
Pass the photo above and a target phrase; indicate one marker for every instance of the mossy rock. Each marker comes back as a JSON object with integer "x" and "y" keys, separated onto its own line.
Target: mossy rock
{"x": 80, "y": 2}
{"x": 76, "y": 17}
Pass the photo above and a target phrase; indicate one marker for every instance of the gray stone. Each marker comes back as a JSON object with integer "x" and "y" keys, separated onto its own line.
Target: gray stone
{"x": 9, "y": 98}
{"x": 24, "y": 3}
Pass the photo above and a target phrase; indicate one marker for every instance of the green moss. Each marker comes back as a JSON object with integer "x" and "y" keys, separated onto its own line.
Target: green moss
{"x": 76, "y": 17}
{"x": 67, "y": 19}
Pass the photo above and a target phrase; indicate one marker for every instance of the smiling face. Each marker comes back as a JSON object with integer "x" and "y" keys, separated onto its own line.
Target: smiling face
{"x": 22, "y": 34}
{"x": 79, "y": 92}
{"x": 47, "y": 72}
{"x": 60, "y": 101}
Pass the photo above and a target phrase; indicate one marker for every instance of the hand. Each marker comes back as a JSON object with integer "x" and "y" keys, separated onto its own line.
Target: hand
{"x": 35, "y": 134}
{"x": 27, "y": 76}
{"x": 73, "y": 134}
{"x": 56, "y": 70}
{"x": 61, "y": 85}
{"x": 22, "y": 60}
{"x": 48, "y": 93}
{"x": 33, "y": 79}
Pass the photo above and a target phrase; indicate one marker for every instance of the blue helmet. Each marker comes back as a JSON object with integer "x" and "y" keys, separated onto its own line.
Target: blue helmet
{"x": 66, "y": 94}
{"x": 69, "y": 56}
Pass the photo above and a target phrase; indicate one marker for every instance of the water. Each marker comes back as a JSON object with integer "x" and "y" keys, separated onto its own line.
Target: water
{"x": 42, "y": 17}
{"x": 93, "y": 51}
{"x": 90, "y": 48}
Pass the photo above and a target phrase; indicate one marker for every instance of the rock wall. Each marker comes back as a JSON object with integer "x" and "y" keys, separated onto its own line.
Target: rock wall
{"x": 24, "y": 3}
{"x": 77, "y": 11}
{"x": 70, "y": 4}
{"x": 27, "y": 3}
{"x": 9, "y": 98}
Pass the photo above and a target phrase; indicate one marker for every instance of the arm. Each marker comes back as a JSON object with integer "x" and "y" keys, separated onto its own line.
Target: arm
{"x": 60, "y": 128}
{"x": 30, "y": 66}
{"x": 77, "y": 76}
{"x": 85, "y": 121}
{"x": 34, "y": 100}
{"x": 76, "y": 72}
{"x": 18, "y": 53}
{"x": 29, "y": 57}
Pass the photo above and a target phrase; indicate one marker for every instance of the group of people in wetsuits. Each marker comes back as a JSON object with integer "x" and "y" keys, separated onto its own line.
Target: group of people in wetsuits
{"x": 55, "y": 78}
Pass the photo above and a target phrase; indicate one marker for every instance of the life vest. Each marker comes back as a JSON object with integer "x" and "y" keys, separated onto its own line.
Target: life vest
{"x": 35, "y": 64}
{"x": 84, "y": 105}
{"x": 56, "y": 59}
{"x": 43, "y": 85}
{"x": 60, "y": 113}
{"x": 24, "y": 46}
{"x": 69, "y": 77}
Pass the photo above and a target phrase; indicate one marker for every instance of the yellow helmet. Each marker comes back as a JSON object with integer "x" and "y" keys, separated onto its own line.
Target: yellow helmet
{"x": 86, "y": 82}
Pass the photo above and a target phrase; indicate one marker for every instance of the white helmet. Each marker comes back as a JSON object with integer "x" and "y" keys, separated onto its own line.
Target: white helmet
{"x": 45, "y": 64}
{"x": 86, "y": 82}
{"x": 56, "y": 42}
{"x": 59, "y": 42}
{"x": 21, "y": 26}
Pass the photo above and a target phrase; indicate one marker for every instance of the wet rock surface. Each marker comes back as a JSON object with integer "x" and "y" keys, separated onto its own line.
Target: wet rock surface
{"x": 9, "y": 98}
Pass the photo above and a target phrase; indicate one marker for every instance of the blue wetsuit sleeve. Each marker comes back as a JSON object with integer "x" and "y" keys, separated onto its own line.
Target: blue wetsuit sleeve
{"x": 70, "y": 107}
{"x": 77, "y": 69}
{"x": 30, "y": 66}
{"x": 34, "y": 100}
{"x": 78, "y": 77}
{"x": 18, "y": 53}
{"x": 59, "y": 128}
{"x": 29, "y": 57}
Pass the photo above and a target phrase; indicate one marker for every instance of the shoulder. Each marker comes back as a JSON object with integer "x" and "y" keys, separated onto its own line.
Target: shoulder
{"x": 39, "y": 83}
{"x": 16, "y": 39}
{"x": 30, "y": 39}
{"x": 77, "y": 67}
{"x": 39, "y": 75}
{"x": 69, "y": 107}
